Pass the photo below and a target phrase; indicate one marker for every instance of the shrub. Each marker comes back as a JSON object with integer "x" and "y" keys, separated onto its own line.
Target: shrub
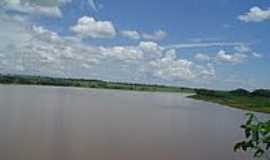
{"x": 257, "y": 135}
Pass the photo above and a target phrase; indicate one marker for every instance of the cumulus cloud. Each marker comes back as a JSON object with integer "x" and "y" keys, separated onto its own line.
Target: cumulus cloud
{"x": 135, "y": 35}
{"x": 131, "y": 34}
{"x": 11, "y": 32}
{"x": 237, "y": 55}
{"x": 159, "y": 62}
{"x": 234, "y": 58}
{"x": 156, "y": 36}
{"x": 255, "y": 14}
{"x": 90, "y": 27}
{"x": 38, "y": 7}
{"x": 37, "y": 50}
{"x": 202, "y": 57}
{"x": 151, "y": 49}
{"x": 31, "y": 49}
{"x": 170, "y": 68}
{"x": 123, "y": 53}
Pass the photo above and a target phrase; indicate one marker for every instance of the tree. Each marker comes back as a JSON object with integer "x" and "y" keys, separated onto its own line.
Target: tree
{"x": 257, "y": 135}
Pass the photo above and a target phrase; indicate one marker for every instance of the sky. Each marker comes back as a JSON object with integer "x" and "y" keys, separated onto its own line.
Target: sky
{"x": 218, "y": 44}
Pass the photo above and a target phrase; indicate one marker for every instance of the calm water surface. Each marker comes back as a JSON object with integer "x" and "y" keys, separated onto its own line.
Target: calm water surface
{"x": 51, "y": 123}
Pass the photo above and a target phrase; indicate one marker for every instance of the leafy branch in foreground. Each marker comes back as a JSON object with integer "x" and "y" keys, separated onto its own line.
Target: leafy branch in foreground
{"x": 257, "y": 135}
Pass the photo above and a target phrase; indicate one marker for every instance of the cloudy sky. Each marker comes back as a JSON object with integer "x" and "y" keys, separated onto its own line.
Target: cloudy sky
{"x": 221, "y": 44}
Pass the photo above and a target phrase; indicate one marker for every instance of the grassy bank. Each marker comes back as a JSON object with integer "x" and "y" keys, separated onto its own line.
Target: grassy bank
{"x": 49, "y": 81}
{"x": 258, "y": 101}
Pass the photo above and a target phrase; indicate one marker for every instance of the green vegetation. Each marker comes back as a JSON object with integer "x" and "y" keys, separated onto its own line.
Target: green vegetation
{"x": 258, "y": 100}
{"x": 257, "y": 135}
{"x": 39, "y": 80}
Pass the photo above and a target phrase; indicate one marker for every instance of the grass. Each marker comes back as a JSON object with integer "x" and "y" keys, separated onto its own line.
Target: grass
{"x": 245, "y": 102}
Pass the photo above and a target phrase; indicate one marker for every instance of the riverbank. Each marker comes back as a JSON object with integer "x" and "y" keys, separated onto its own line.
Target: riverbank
{"x": 236, "y": 99}
{"x": 258, "y": 101}
{"x": 85, "y": 83}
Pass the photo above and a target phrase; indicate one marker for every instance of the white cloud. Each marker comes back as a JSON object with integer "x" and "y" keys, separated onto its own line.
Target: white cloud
{"x": 45, "y": 34}
{"x": 151, "y": 50}
{"x": 206, "y": 72}
{"x": 37, "y": 50}
{"x": 202, "y": 57}
{"x": 234, "y": 58}
{"x": 257, "y": 55}
{"x": 238, "y": 55}
{"x": 123, "y": 53}
{"x": 37, "y": 2}
{"x": 131, "y": 34}
{"x": 203, "y": 45}
{"x": 90, "y": 27}
{"x": 255, "y": 14}
{"x": 243, "y": 49}
{"x": 65, "y": 1}
{"x": 41, "y": 51}
{"x": 143, "y": 51}
{"x": 39, "y": 7}
{"x": 170, "y": 68}
{"x": 156, "y": 36}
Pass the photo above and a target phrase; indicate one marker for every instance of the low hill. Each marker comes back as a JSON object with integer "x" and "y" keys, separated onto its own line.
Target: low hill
{"x": 261, "y": 92}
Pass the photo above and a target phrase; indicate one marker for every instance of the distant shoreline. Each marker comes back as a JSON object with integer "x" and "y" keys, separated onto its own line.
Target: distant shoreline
{"x": 185, "y": 94}
{"x": 246, "y": 101}
{"x": 84, "y": 83}
{"x": 258, "y": 101}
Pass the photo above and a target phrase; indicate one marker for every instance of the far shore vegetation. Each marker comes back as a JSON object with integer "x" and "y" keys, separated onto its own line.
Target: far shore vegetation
{"x": 84, "y": 83}
{"x": 258, "y": 100}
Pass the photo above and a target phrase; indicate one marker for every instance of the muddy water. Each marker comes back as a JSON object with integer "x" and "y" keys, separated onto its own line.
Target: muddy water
{"x": 51, "y": 123}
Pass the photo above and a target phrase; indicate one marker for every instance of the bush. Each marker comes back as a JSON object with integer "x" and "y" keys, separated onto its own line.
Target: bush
{"x": 257, "y": 135}
{"x": 240, "y": 92}
{"x": 261, "y": 92}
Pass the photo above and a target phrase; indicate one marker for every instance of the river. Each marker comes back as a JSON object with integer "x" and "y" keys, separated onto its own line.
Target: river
{"x": 54, "y": 123}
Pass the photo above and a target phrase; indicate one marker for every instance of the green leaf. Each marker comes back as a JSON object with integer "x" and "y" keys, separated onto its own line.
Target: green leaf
{"x": 267, "y": 146}
{"x": 259, "y": 153}
{"x": 247, "y": 133}
{"x": 250, "y": 118}
{"x": 257, "y": 135}
{"x": 238, "y": 146}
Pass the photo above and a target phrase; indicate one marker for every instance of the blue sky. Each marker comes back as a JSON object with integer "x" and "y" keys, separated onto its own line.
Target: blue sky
{"x": 221, "y": 44}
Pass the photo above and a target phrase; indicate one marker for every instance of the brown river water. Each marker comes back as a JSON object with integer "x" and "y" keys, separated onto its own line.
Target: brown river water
{"x": 54, "y": 123}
